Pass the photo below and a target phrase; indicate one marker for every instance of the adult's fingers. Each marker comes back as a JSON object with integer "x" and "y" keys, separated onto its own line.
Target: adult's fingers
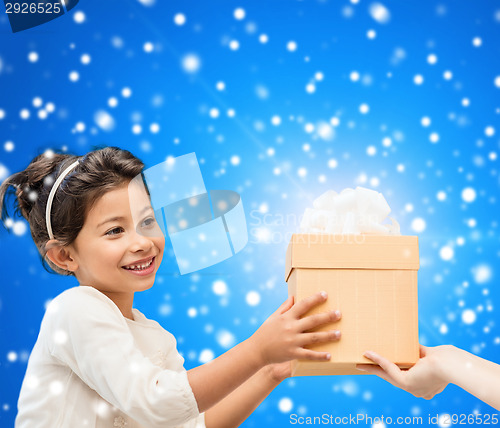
{"x": 373, "y": 369}
{"x": 392, "y": 370}
{"x": 300, "y": 308}
{"x": 423, "y": 351}
{"x": 312, "y": 321}
{"x": 376, "y": 370}
{"x": 319, "y": 337}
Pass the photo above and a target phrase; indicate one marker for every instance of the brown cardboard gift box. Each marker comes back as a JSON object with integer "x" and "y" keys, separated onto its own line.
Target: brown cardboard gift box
{"x": 372, "y": 280}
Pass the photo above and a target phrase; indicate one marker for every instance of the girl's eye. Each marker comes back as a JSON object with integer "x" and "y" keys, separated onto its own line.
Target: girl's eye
{"x": 114, "y": 231}
{"x": 148, "y": 222}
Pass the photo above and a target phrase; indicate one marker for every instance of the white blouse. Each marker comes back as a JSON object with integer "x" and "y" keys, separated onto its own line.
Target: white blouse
{"x": 92, "y": 367}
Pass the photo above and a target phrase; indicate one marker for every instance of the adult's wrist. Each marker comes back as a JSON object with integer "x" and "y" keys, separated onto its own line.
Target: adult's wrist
{"x": 445, "y": 360}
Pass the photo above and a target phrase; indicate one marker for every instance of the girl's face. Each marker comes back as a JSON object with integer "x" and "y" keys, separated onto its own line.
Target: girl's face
{"x": 120, "y": 246}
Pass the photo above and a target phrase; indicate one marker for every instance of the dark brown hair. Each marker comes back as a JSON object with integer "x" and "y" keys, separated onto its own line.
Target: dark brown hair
{"x": 97, "y": 172}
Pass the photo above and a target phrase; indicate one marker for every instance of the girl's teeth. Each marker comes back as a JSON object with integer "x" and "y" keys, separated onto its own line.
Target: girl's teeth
{"x": 140, "y": 267}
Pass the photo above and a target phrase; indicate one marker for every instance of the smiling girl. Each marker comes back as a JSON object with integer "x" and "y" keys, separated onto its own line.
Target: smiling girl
{"x": 99, "y": 362}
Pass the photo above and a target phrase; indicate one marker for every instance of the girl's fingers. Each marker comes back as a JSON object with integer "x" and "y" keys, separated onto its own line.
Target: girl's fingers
{"x": 286, "y": 305}
{"x": 316, "y": 320}
{"x": 308, "y": 303}
{"x": 307, "y": 354}
{"x": 319, "y": 337}
{"x": 392, "y": 370}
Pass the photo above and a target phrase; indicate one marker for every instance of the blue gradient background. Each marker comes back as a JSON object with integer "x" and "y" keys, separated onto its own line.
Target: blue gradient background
{"x": 281, "y": 168}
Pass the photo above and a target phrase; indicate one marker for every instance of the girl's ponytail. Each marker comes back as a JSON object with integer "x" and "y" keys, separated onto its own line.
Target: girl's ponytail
{"x": 29, "y": 184}
{"x": 30, "y": 189}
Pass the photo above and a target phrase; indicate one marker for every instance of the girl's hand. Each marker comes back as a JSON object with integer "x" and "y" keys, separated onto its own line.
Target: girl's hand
{"x": 424, "y": 379}
{"x": 284, "y": 335}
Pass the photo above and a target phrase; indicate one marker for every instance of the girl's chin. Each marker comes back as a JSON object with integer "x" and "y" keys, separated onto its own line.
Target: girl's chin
{"x": 142, "y": 284}
{"x": 145, "y": 287}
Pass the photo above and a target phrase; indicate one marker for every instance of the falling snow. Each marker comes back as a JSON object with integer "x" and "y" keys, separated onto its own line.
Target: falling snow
{"x": 180, "y": 19}
{"x": 191, "y": 63}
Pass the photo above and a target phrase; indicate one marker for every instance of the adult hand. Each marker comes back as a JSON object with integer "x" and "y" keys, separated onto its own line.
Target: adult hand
{"x": 425, "y": 379}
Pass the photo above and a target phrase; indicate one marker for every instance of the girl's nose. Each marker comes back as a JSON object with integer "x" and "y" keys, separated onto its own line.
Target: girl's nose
{"x": 140, "y": 242}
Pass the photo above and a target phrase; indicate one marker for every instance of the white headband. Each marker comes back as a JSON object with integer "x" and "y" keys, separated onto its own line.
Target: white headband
{"x": 52, "y": 194}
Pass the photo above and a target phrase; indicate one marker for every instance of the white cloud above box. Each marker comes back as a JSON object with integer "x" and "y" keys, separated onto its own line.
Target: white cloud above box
{"x": 352, "y": 211}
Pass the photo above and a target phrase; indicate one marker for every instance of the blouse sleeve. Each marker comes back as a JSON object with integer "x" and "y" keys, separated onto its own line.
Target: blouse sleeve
{"x": 90, "y": 336}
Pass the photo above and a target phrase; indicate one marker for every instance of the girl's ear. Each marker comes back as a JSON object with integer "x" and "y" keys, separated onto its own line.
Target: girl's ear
{"x": 60, "y": 256}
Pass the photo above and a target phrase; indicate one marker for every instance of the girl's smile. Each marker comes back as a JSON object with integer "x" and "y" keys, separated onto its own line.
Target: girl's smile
{"x": 141, "y": 267}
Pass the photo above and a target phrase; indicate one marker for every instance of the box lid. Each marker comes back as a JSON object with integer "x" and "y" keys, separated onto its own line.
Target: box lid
{"x": 323, "y": 251}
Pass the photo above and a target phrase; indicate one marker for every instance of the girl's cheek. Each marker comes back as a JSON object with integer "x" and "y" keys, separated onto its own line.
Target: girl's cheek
{"x": 162, "y": 243}
{"x": 159, "y": 242}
